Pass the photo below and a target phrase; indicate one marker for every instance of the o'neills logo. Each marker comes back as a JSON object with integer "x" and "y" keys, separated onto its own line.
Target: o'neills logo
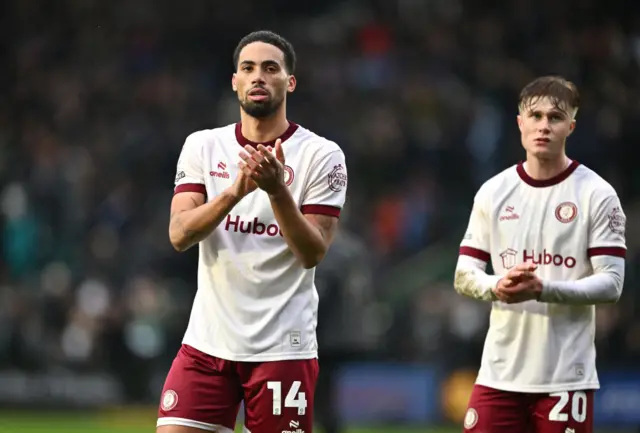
{"x": 222, "y": 172}
{"x": 254, "y": 227}
{"x": 219, "y": 174}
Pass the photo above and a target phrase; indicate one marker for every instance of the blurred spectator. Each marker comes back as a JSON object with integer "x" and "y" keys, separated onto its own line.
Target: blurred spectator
{"x": 347, "y": 329}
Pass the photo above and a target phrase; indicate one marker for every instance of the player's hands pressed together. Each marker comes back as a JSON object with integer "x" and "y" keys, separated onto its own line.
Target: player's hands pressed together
{"x": 243, "y": 185}
{"x": 263, "y": 167}
{"x": 520, "y": 284}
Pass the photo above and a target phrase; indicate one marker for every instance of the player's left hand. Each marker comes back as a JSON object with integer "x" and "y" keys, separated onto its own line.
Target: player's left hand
{"x": 265, "y": 168}
{"x": 526, "y": 287}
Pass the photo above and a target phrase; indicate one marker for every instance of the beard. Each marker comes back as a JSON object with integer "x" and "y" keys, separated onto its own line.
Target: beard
{"x": 261, "y": 109}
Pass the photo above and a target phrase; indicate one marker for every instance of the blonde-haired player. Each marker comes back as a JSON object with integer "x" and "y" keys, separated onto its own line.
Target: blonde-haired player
{"x": 553, "y": 231}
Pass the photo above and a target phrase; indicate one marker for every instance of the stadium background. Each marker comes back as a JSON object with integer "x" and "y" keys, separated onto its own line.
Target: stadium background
{"x": 96, "y": 100}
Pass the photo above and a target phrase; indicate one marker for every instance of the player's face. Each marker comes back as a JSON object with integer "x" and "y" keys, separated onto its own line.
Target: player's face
{"x": 261, "y": 80}
{"x": 545, "y": 127}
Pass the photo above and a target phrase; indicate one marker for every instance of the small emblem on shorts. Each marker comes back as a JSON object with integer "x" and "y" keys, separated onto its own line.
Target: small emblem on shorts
{"x": 579, "y": 370}
{"x": 566, "y": 212}
{"x": 294, "y": 426}
{"x": 169, "y": 400}
{"x": 471, "y": 418}
{"x": 570, "y": 430}
{"x": 294, "y": 338}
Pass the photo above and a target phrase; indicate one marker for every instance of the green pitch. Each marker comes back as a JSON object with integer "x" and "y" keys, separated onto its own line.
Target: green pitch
{"x": 27, "y": 422}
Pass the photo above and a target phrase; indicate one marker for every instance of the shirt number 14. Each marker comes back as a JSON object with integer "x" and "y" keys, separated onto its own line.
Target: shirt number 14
{"x": 294, "y": 398}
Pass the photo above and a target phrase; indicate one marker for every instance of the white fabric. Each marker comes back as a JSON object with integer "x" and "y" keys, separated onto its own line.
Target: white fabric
{"x": 255, "y": 301}
{"x": 472, "y": 280}
{"x": 190, "y": 423}
{"x": 605, "y": 285}
{"x": 574, "y": 230}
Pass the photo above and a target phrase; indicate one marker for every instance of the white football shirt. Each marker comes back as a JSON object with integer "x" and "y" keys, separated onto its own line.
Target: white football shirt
{"x": 560, "y": 224}
{"x": 255, "y": 301}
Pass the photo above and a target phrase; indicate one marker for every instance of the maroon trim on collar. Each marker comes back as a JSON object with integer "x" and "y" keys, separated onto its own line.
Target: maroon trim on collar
{"x": 537, "y": 183}
{"x": 242, "y": 141}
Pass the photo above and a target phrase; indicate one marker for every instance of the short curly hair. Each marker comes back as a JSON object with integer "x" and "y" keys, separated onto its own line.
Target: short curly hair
{"x": 271, "y": 38}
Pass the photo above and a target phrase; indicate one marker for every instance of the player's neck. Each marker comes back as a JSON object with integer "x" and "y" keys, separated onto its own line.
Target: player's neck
{"x": 263, "y": 130}
{"x": 543, "y": 169}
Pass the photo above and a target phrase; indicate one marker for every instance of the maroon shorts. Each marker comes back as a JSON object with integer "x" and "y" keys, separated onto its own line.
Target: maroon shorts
{"x": 494, "y": 411}
{"x": 205, "y": 392}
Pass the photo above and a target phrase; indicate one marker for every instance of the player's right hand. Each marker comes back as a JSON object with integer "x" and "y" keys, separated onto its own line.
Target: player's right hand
{"x": 516, "y": 275}
{"x": 243, "y": 185}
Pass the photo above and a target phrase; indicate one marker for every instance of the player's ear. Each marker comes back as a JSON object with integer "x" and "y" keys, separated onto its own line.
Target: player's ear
{"x": 234, "y": 83}
{"x": 291, "y": 85}
{"x": 519, "y": 120}
{"x": 572, "y": 127}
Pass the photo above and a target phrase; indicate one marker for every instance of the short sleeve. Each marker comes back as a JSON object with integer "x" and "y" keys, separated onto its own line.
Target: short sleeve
{"x": 476, "y": 241}
{"x": 326, "y": 189}
{"x": 189, "y": 173}
{"x": 607, "y": 228}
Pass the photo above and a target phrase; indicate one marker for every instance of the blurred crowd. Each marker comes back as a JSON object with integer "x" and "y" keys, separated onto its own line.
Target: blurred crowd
{"x": 97, "y": 98}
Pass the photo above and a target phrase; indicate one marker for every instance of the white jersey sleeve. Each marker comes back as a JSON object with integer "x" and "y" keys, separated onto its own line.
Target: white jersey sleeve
{"x": 190, "y": 172}
{"x": 476, "y": 242}
{"x": 470, "y": 276}
{"x": 326, "y": 188}
{"x": 607, "y": 233}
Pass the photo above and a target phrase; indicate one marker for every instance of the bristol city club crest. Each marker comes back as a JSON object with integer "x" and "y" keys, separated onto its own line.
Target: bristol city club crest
{"x": 169, "y": 400}
{"x": 566, "y": 212}
{"x": 288, "y": 175}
